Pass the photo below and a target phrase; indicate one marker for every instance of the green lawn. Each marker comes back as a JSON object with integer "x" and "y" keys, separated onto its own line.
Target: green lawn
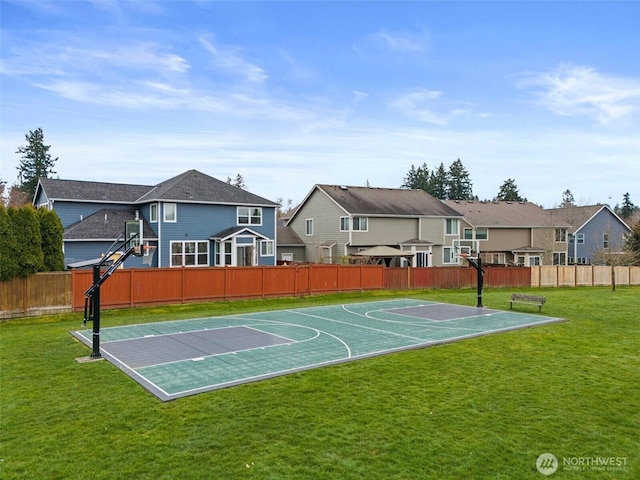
{"x": 486, "y": 407}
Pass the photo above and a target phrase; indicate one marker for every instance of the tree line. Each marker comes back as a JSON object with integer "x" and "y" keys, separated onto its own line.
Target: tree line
{"x": 454, "y": 183}
{"x": 31, "y": 241}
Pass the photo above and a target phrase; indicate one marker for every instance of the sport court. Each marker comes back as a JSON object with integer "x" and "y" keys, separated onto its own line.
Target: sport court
{"x": 179, "y": 358}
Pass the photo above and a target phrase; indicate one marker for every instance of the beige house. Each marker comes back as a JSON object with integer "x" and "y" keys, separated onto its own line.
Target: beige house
{"x": 514, "y": 233}
{"x": 338, "y": 221}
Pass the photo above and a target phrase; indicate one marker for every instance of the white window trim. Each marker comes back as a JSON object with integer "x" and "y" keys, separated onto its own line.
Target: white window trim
{"x": 348, "y": 220}
{"x": 175, "y": 211}
{"x": 366, "y": 220}
{"x": 308, "y": 222}
{"x": 267, "y": 243}
{"x": 454, "y": 221}
{"x": 249, "y": 216}
{"x": 183, "y": 253}
{"x": 153, "y": 218}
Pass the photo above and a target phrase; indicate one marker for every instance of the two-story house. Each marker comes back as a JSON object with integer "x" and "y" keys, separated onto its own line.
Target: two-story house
{"x": 337, "y": 221}
{"x": 192, "y": 220}
{"x": 595, "y": 232}
{"x": 514, "y": 233}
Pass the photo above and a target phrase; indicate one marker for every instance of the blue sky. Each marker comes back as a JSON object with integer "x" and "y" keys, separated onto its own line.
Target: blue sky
{"x": 290, "y": 94}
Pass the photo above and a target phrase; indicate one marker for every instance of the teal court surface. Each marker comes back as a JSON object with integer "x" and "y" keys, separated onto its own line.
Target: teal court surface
{"x": 178, "y": 358}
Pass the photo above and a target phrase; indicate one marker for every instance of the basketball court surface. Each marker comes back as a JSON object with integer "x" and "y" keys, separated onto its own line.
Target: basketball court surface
{"x": 179, "y": 358}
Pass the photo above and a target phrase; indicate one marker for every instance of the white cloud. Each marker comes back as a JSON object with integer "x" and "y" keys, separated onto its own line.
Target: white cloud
{"x": 402, "y": 42}
{"x": 229, "y": 60}
{"x": 422, "y": 104}
{"x": 583, "y": 91}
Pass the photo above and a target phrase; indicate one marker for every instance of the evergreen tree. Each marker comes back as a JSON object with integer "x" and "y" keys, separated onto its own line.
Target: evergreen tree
{"x": 28, "y": 246}
{"x": 51, "y": 231}
{"x": 628, "y": 208}
{"x": 439, "y": 183}
{"x": 417, "y": 178}
{"x": 36, "y": 162}
{"x": 237, "y": 182}
{"x": 8, "y": 247}
{"x": 460, "y": 186}
{"x": 567, "y": 199}
{"x": 509, "y": 192}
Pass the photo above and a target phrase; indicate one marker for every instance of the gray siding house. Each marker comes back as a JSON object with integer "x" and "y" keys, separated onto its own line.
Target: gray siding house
{"x": 191, "y": 220}
{"x": 337, "y": 221}
{"x": 595, "y": 232}
{"x": 514, "y": 233}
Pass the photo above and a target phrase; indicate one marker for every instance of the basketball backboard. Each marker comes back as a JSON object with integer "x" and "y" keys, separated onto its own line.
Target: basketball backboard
{"x": 134, "y": 236}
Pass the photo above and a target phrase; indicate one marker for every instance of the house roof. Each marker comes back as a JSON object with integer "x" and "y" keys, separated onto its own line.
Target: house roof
{"x": 287, "y": 236}
{"x": 79, "y": 190}
{"x": 190, "y": 186}
{"x": 105, "y": 224}
{"x": 195, "y": 186}
{"x": 233, "y": 231}
{"x": 578, "y": 216}
{"x": 504, "y": 214}
{"x": 387, "y": 201}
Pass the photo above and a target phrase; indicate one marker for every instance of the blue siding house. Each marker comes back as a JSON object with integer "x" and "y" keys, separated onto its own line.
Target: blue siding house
{"x": 596, "y": 233}
{"x": 189, "y": 220}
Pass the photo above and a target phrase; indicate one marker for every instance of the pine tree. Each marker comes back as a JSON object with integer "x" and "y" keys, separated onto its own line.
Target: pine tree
{"x": 628, "y": 208}
{"x": 567, "y": 199}
{"x": 439, "y": 183}
{"x": 237, "y": 182}
{"x": 417, "y": 178}
{"x": 509, "y": 192}
{"x": 36, "y": 162}
{"x": 460, "y": 186}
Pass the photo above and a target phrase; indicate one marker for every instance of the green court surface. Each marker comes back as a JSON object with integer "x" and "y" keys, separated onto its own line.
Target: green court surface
{"x": 179, "y": 358}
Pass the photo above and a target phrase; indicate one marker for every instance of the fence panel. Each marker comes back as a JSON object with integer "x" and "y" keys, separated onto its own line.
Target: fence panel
{"x": 38, "y": 294}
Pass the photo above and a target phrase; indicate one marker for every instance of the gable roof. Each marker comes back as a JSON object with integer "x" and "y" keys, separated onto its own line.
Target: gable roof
{"x": 579, "y": 216}
{"x": 504, "y": 214}
{"x": 195, "y": 186}
{"x": 386, "y": 201}
{"x": 190, "y": 186}
{"x": 80, "y": 190}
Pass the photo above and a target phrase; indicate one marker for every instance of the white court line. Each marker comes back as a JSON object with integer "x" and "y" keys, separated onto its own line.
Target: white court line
{"x": 388, "y": 332}
{"x": 426, "y": 323}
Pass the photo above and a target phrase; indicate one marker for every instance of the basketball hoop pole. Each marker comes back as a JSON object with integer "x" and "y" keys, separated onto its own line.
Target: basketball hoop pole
{"x": 477, "y": 264}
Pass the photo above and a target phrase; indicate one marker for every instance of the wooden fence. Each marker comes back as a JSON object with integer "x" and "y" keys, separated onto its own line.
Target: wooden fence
{"x": 38, "y": 294}
{"x": 64, "y": 291}
{"x": 583, "y": 276}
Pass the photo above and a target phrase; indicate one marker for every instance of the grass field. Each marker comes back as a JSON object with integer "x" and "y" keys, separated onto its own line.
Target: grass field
{"x": 486, "y": 407}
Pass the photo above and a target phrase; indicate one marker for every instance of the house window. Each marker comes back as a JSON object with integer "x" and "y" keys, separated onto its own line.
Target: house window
{"x": 520, "y": 260}
{"x": 359, "y": 224}
{"x": 190, "y": 254}
{"x": 447, "y": 255}
{"x": 223, "y": 253}
{"x": 170, "y": 212}
{"x": 266, "y": 248}
{"x": 153, "y": 213}
{"x": 561, "y": 234}
{"x": 249, "y": 216}
{"x": 534, "y": 261}
{"x": 580, "y": 238}
{"x": 422, "y": 259}
{"x": 481, "y": 233}
{"x": 308, "y": 226}
{"x": 344, "y": 224}
{"x": 572, "y": 239}
{"x": 559, "y": 258}
{"x": 605, "y": 240}
{"x": 452, "y": 226}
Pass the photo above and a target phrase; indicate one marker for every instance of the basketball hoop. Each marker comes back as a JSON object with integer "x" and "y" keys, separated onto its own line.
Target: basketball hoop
{"x": 147, "y": 254}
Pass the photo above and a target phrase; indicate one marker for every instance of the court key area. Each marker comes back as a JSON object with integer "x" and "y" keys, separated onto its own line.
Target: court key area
{"x": 179, "y": 358}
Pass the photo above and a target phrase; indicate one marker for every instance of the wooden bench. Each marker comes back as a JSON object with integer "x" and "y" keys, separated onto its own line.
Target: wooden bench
{"x": 527, "y": 299}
